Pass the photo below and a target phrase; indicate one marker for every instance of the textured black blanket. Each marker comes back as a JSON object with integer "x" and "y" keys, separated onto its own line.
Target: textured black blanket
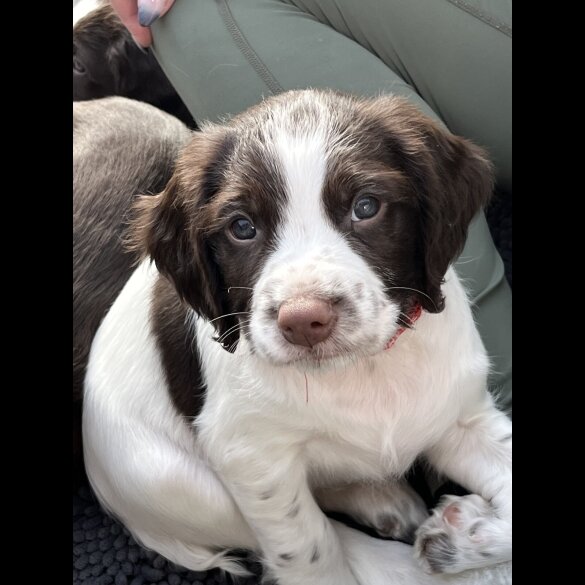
{"x": 103, "y": 551}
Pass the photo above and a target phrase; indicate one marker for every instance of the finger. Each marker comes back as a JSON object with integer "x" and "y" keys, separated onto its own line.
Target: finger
{"x": 167, "y": 6}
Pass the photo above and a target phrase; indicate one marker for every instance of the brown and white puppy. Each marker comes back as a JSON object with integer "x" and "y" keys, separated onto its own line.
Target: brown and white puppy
{"x": 268, "y": 363}
{"x": 107, "y": 62}
{"x": 121, "y": 148}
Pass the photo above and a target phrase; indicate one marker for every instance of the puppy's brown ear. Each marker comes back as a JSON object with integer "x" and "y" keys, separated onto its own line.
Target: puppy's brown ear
{"x": 170, "y": 227}
{"x": 161, "y": 231}
{"x": 453, "y": 179}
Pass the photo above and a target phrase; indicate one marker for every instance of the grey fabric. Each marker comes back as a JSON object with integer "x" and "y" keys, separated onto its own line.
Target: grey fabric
{"x": 456, "y": 54}
{"x": 197, "y": 49}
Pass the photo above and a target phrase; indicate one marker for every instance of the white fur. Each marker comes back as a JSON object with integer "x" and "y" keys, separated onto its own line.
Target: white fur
{"x": 273, "y": 431}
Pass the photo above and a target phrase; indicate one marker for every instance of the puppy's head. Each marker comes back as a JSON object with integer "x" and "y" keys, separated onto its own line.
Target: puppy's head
{"x": 101, "y": 53}
{"x": 315, "y": 221}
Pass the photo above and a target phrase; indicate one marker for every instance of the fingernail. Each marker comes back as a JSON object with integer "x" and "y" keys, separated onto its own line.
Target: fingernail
{"x": 146, "y": 18}
{"x": 149, "y": 11}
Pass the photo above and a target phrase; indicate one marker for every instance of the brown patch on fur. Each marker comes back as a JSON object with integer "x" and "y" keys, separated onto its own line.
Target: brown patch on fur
{"x": 185, "y": 229}
{"x": 167, "y": 227}
{"x": 387, "y": 241}
{"x": 451, "y": 178}
{"x": 178, "y": 347}
{"x": 429, "y": 182}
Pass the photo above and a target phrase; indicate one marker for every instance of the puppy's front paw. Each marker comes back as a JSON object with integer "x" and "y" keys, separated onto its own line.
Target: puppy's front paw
{"x": 463, "y": 533}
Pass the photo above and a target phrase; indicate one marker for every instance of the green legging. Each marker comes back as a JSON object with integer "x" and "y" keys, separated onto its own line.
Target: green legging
{"x": 451, "y": 58}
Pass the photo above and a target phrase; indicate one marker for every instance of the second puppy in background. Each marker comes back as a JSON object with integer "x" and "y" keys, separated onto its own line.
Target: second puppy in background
{"x": 107, "y": 62}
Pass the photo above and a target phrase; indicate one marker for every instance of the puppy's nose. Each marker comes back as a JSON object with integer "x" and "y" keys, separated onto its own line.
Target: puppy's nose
{"x": 306, "y": 320}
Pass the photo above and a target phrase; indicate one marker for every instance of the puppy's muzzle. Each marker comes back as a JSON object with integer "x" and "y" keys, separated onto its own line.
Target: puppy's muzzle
{"x": 306, "y": 320}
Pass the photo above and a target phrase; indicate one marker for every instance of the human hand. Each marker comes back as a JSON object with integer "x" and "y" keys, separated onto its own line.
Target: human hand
{"x": 138, "y": 15}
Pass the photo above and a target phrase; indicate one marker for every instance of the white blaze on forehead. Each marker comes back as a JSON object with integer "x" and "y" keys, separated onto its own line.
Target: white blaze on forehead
{"x": 303, "y": 160}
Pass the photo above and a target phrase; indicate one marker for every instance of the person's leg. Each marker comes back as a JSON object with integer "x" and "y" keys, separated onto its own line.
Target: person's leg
{"x": 224, "y": 56}
{"x": 456, "y": 54}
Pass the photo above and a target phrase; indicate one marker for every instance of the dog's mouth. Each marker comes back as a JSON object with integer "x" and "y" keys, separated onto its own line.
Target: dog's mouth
{"x": 334, "y": 351}
{"x": 315, "y": 330}
{"x": 317, "y": 356}
{"x": 323, "y": 360}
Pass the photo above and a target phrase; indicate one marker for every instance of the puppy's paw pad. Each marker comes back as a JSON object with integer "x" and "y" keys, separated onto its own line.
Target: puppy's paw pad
{"x": 452, "y": 515}
{"x": 463, "y": 533}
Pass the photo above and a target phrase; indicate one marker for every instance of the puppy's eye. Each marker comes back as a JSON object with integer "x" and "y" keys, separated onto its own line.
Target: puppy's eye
{"x": 364, "y": 208}
{"x": 78, "y": 65}
{"x": 242, "y": 229}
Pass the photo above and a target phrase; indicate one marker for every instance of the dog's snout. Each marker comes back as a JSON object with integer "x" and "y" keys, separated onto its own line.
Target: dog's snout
{"x": 306, "y": 321}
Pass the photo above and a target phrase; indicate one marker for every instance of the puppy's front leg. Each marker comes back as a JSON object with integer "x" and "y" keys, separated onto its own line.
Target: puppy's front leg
{"x": 298, "y": 542}
{"x": 392, "y": 508}
{"x": 476, "y": 530}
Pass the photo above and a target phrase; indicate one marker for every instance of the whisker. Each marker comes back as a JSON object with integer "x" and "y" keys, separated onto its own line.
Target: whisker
{"x": 235, "y": 326}
{"x": 230, "y": 288}
{"x": 404, "y": 319}
{"x": 459, "y": 262}
{"x": 232, "y": 329}
{"x": 412, "y": 289}
{"x": 230, "y": 315}
{"x": 223, "y": 343}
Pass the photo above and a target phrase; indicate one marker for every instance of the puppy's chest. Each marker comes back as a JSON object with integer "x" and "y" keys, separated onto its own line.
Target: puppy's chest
{"x": 335, "y": 459}
{"x": 346, "y": 425}
{"x": 361, "y": 439}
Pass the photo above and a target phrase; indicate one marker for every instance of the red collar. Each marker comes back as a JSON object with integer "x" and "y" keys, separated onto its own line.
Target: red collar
{"x": 412, "y": 317}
